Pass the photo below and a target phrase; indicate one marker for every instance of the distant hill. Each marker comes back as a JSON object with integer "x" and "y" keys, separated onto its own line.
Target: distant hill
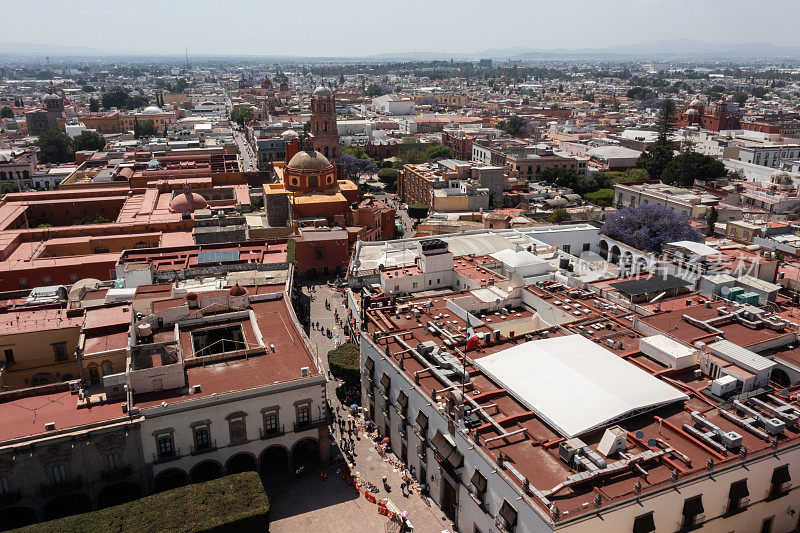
{"x": 664, "y": 49}
{"x": 32, "y": 49}
{"x": 674, "y": 49}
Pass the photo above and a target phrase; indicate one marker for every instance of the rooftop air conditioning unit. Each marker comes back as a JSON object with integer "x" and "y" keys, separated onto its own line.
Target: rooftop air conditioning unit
{"x": 305, "y": 372}
{"x": 196, "y": 389}
{"x": 50, "y": 426}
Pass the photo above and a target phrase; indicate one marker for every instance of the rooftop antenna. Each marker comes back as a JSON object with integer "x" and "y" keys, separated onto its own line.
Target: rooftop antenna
{"x": 187, "y": 57}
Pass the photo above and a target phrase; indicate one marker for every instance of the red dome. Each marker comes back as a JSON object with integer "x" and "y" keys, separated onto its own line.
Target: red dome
{"x": 188, "y": 202}
{"x": 237, "y": 290}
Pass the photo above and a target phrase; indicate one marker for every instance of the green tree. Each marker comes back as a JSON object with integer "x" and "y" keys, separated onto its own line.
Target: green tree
{"x": 181, "y": 85}
{"x": 759, "y": 92}
{"x": 689, "y": 166}
{"x": 55, "y": 146}
{"x": 711, "y": 220}
{"x": 145, "y": 128}
{"x": 136, "y": 101}
{"x": 418, "y": 211}
{"x": 559, "y": 215}
{"x": 563, "y": 177}
{"x": 740, "y": 98}
{"x": 601, "y": 197}
{"x": 388, "y": 176}
{"x": 356, "y": 151}
{"x": 413, "y": 157}
{"x": 344, "y": 362}
{"x": 6, "y": 112}
{"x": 514, "y": 126}
{"x": 637, "y": 93}
{"x": 94, "y": 105}
{"x": 242, "y": 114}
{"x": 115, "y": 98}
{"x": 437, "y": 151}
{"x": 373, "y": 89}
{"x": 88, "y": 88}
{"x": 8, "y": 187}
{"x": 91, "y": 219}
{"x": 89, "y": 140}
{"x": 657, "y": 156}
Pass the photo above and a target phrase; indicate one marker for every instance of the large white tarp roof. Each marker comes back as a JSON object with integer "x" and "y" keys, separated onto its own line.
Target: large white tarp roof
{"x": 574, "y": 384}
{"x": 517, "y": 259}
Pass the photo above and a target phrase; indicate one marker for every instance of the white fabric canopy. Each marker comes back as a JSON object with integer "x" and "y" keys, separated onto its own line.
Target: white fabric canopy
{"x": 574, "y": 384}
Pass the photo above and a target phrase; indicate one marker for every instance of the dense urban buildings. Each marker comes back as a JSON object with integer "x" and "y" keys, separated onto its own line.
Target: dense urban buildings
{"x": 496, "y": 293}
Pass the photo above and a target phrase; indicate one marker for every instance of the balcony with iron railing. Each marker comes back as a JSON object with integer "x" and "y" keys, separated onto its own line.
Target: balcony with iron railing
{"x": 778, "y": 490}
{"x": 9, "y": 497}
{"x": 116, "y": 474}
{"x": 165, "y": 458}
{"x": 736, "y": 506}
{"x": 324, "y": 420}
{"x": 263, "y": 434}
{"x": 691, "y": 523}
{"x": 208, "y": 447}
{"x": 62, "y": 487}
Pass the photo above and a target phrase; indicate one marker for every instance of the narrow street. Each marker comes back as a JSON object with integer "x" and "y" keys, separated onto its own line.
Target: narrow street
{"x": 332, "y": 505}
{"x": 245, "y": 151}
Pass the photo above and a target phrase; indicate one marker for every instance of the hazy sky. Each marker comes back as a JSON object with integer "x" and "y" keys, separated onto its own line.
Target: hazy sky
{"x": 365, "y": 27}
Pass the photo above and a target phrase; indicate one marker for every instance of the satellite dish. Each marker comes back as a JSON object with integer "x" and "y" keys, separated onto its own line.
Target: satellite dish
{"x": 725, "y": 290}
{"x": 652, "y": 443}
{"x": 784, "y": 393}
{"x": 639, "y": 434}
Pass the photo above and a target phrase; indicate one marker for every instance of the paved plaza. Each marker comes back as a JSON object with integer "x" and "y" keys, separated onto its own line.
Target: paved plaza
{"x": 331, "y": 505}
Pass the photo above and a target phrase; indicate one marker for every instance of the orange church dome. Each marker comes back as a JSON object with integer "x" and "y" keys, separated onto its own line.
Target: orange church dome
{"x": 187, "y": 202}
{"x": 309, "y": 160}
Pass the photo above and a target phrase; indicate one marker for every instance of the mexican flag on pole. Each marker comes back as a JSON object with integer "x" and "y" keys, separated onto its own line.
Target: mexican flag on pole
{"x": 472, "y": 339}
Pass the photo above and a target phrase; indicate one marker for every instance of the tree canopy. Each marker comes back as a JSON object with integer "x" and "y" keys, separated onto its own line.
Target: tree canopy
{"x": 89, "y": 140}
{"x": 601, "y": 197}
{"x": 55, "y": 146}
{"x": 514, "y": 126}
{"x": 374, "y": 89}
{"x": 558, "y": 216}
{"x": 344, "y": 362}
{"x": 437, "y": 151}
{"x": 6, "y": 112}
{"x": 412, "y": 157}
{"x": 122, "y": 99}
{"x": 686, "y": 167}
{"x": 648, "y": 227}
{"x": 388, "y": 176}
{"x": 357, "y": 167}
{"x": 657, "y": 156}
{"x": 144, "y": 128}
{"x": 356, "y": 151}
{"x": 115, "y": 98}
{"x": 242, "y": 114}
{"x": 581, "y": 184}
{"x": 711, "y": 219}
{"x": 418, "y": 211}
